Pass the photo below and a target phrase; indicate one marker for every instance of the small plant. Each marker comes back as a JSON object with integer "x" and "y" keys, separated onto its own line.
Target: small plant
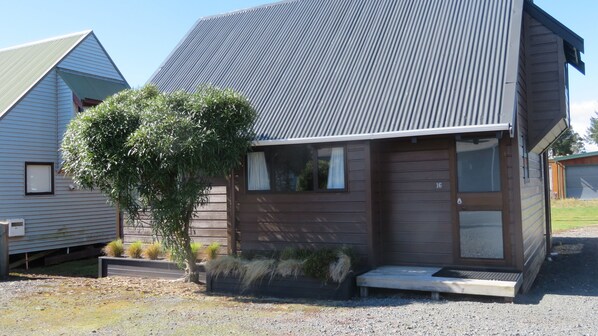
{"x": 339, "y": 269}
{"x": 114, "y": 248}
{"x": 153, "y": 251}
{"x": 135, "y": 250}
{"x": 318, "y": 264}
{"x": 211, "y": 251}
{"x": 195, "y": 249}
{"x": 257, "y": 269}
{"x": 290, "y": 267}
{"x": 225, "y": 266}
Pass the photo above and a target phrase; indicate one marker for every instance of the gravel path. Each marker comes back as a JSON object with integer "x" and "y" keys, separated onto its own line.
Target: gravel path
{"x": 564, "y": 300}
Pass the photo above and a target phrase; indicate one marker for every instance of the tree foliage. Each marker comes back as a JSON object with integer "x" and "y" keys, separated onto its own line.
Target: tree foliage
{"x": 154, "y": 153}
{"x": 592, "y": 131}
{"x": 570, "y": 142}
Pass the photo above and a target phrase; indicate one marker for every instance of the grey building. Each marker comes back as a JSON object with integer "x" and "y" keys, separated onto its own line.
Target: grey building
{"x": 42, "y": 86}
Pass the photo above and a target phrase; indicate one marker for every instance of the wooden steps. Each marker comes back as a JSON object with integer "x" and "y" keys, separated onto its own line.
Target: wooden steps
{"x": 421, "y": 279}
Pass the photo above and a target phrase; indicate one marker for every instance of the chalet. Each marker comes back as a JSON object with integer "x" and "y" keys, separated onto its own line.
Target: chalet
{"x": 574, "y": 176}
{"x": 42, "y": 86}
{"x": 414, "y": 131}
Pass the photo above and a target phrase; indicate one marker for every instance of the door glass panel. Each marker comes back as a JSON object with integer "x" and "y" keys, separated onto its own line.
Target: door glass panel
{"x": 481, "y": 234}
{"x": 478, "y": 165}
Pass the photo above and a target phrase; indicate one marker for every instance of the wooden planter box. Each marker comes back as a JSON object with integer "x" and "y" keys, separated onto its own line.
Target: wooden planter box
{"x": 142, "y": 268}
{"x": 290, "y": 287}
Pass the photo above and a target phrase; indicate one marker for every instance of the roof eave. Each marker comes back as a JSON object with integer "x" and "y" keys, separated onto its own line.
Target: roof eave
{"x": 388, "y": 135}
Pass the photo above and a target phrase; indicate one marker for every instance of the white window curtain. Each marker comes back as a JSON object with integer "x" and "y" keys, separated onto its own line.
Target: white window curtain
{"x": 257, "y": 171}
{"x": 336, "y": 170}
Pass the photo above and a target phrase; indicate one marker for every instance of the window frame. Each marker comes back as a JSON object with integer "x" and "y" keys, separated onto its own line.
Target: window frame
{"x": 315, "y": 148}
{"x": 52, "y": 187}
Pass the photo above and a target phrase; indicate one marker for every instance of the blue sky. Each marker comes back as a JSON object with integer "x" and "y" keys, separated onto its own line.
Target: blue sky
{"x": 140, "y": 34}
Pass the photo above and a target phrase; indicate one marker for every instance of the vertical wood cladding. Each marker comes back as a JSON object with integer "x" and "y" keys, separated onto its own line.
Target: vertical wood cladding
{"x": 273, "y": 221}
{"x": 413, "y": 211}
{"x": 208, "y": 225}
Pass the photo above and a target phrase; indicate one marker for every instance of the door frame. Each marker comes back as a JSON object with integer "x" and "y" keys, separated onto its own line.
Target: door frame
{"x": 503, "y": 198}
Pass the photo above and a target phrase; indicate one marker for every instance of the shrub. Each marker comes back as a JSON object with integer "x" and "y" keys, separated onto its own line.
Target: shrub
{"x": 135, "y": 250}
{"x": 211, "y": 251}
{"x": 257, "y": 269}
{"x": 290, "y": 267}
{"x": 225, "y": 265}
{"x": 114, "y": 248}
{"x": 318, "y": 264}
{"x": 295, "y": 253}
{"x": 152, "y": 252}
{"x": 259, "y": 254}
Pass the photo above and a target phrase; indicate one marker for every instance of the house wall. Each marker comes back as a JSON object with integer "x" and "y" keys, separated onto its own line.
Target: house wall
{"x": 541, "y": 89}
{"x": 89, "y": 57}
{"x": 32, "y": 131}
{"x": 68, "y": 218}
{"x": 209, "y": 224}
{"x": 545, "y": 70}
{"x": 274, "y": 221}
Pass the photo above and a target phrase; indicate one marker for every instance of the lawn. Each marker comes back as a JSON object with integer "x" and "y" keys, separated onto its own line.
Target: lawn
{"x": 569, "y": 214}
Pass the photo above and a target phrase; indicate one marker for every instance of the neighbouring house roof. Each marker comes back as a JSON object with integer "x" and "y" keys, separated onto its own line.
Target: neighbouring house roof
{"x": 575, "y": 156}
{"x": 351, "y": 69}
{"x": 91, "y": 87}
{"x": 23, "y": 66}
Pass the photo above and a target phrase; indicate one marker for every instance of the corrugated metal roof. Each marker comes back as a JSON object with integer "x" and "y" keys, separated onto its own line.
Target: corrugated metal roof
{"x": 575, "y": 156}
{"x": 333, "y": 68}
{"x": 91, "y": 87}
{"x": 21, "y": 67}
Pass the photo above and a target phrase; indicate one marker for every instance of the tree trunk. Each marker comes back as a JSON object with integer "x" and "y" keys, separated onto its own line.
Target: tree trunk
{"x": 191, "y": 269}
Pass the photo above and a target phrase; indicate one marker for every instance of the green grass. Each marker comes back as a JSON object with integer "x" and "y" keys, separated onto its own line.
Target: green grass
{"x": 569, "y": 214}
{"x": 87, "y": 268}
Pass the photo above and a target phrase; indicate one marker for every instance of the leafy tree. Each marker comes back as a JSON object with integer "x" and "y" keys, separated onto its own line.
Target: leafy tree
{"x": 155, "y": 152}
{"x": 592, "y": 131}
{"x": 568, "y": 143}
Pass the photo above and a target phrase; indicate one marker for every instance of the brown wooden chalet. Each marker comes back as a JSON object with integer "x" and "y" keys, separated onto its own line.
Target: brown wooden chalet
{"x": 413, "y": 131}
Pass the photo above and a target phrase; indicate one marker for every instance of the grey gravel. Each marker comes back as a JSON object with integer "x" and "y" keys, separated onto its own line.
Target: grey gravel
{"x": 564, "y": 300}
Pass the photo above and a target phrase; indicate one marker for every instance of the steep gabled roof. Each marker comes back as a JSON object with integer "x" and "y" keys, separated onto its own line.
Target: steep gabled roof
{"x": 23, "y": 66}
{"x": 352, "y": 69}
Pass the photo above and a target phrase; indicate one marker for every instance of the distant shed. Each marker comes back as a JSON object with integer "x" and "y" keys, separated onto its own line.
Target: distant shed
{"x": 575, "y": 176}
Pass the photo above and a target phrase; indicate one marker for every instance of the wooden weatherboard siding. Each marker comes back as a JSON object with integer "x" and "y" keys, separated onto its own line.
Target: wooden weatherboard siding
{"x": 31, "y": 132}
{"x": 545, "y": 84}
{"x": 414, "y": 213}
{"x": 208, "y": 225}
{"x": 530, "y": 79}
{"x": 273, "y": 221}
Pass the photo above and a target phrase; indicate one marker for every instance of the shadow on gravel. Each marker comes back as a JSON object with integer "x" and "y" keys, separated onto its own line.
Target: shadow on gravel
{"x": 573, "y": 272}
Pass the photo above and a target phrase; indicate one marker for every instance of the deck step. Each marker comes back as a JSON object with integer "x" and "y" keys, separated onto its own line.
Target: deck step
{"x": 421, "y": 279}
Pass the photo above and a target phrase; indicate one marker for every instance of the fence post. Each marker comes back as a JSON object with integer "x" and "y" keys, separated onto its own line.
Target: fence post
{"x": 3, "y": 251}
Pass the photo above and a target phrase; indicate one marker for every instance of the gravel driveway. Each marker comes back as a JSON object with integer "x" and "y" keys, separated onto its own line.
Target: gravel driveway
{"x": 564, "y": 301}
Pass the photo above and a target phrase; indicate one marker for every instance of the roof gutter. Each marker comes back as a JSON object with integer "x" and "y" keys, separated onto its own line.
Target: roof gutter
{"x": 388, "y": 135}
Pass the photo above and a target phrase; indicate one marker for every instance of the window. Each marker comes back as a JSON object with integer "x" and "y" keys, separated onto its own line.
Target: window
{"x": 481, "y": 234}
{"x": 292, "y": 169}
{"x": 39, "y": 178}
{"x": 478, "y": 163}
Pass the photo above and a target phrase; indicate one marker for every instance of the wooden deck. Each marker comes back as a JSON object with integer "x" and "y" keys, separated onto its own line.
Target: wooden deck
{"x": 421, "y": 279}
